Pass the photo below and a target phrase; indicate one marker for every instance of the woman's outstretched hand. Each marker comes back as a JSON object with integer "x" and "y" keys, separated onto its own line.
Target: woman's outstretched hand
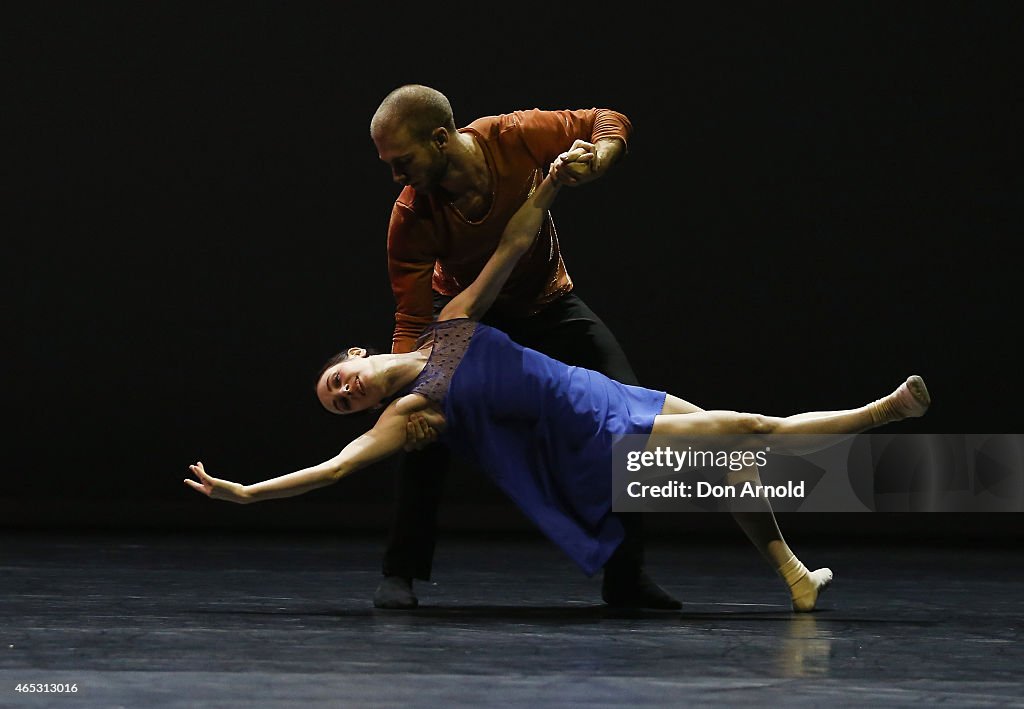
{"x": 216, "y": 488}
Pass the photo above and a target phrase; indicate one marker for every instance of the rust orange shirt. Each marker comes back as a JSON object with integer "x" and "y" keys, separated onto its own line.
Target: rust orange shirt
{"x": 432, "y": 247}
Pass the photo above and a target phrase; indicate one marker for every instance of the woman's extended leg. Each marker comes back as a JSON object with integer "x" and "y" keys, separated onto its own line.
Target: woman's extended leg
{"x": 911, "y": 399}
{"x": 680, "y": 417}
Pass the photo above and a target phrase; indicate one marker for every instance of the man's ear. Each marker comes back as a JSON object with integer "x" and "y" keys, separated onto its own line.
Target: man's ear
{"x": 357, "y": 352}
{"x": 440, "y": 137}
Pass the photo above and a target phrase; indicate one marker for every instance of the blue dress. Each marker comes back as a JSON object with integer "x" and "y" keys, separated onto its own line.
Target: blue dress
{"x": 542, "y": 430}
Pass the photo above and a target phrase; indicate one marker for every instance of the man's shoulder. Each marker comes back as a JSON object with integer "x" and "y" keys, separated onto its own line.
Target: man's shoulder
{"x": 495, "y": 127}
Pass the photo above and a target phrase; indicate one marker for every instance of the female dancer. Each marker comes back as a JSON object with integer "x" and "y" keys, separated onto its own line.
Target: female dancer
{"x": 541, "y": 429}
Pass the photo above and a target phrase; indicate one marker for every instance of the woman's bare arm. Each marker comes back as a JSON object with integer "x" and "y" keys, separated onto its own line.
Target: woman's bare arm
{"x": 384, "y": 439}
{"x": 516, "y": 239}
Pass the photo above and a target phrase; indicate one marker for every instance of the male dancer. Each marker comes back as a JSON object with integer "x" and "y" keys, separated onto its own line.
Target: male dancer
{"x": 461, "y": 186}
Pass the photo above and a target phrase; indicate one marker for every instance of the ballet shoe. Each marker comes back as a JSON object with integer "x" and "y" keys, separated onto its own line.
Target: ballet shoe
{"x": 395, "y": 593}
{"x": 911, "y": 398}
{"x": 805, "y": 593}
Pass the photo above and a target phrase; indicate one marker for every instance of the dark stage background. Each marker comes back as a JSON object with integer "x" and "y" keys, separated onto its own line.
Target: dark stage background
{"x": 820, "y": 199}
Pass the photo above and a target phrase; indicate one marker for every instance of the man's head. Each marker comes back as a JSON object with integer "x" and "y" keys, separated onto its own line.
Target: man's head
{"x": 413, "y": 129}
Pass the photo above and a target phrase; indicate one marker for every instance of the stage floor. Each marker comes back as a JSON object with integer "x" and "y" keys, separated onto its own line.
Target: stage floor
{"x": 278, "y": 621}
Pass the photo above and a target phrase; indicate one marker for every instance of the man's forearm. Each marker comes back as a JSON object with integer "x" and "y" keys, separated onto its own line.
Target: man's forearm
{"x": 607, "y": 152}
{"x": 408, "y": 328}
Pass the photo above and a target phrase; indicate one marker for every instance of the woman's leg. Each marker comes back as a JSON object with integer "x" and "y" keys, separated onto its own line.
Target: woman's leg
{"x": 680, "y": 417}
{"x": 911, "y": 399}
{"x": 758, "y": 519}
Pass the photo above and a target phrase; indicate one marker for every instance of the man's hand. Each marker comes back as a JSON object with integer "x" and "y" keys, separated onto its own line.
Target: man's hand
{"x": 585, "y": 162}
{"x": 216, "y": 488}
{"x": 422, "y": 429}
{"x": 573, "y": 167}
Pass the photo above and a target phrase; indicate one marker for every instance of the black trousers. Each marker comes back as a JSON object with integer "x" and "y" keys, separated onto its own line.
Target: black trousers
{"x": 566, "y": 330}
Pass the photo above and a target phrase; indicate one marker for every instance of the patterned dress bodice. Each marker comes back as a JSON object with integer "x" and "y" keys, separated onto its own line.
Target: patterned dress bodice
{"x": 450, "y": 341}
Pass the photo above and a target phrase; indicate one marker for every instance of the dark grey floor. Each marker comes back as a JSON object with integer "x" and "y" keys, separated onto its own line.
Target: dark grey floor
{"x": 247, "y": 621}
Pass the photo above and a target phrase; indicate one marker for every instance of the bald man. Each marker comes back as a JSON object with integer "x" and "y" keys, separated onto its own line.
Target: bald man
{"x": 460, "y": 187}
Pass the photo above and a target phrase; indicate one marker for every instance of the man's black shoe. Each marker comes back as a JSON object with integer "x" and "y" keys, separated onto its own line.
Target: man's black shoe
{"x": 639, "y": 591}
{"x": 395, "y": 593}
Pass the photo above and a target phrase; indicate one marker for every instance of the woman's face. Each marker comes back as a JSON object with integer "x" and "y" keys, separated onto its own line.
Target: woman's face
{"x": 351, "y": 386}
